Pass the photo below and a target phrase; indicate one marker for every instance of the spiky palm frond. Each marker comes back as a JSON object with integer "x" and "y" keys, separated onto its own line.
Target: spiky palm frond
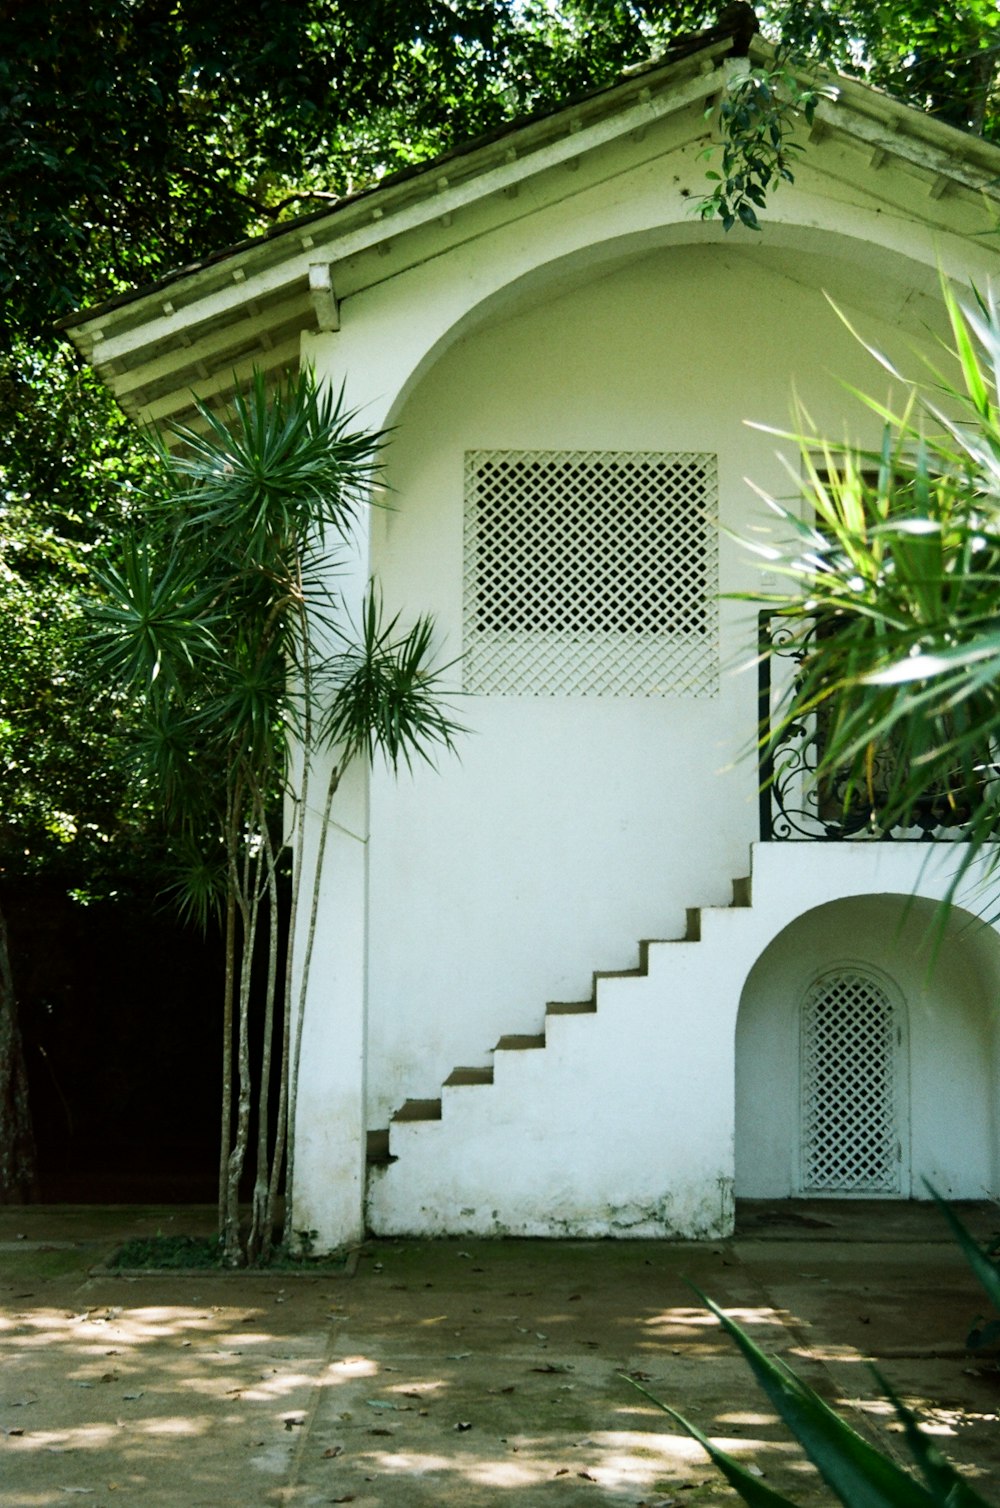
{"x": 387, "y": 697}
{"x": 151, "y": 621}
{"x": 283, "y": 466}
{"x": 893, "y": 586}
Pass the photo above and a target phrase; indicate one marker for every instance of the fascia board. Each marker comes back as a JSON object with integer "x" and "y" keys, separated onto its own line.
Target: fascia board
{"x": 375, "y": 221}
{"x": 917, "y": 151}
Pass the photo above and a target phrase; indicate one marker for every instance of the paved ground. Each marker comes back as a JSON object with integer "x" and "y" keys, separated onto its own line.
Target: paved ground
{"x": 471, "y": 1373}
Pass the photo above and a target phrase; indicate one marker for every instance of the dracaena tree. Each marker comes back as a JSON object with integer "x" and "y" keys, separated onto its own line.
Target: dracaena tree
{"x": 222, "y": 620}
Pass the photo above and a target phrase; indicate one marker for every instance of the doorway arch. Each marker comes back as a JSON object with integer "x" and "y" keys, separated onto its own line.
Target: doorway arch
{"x": 906, "y": 1025}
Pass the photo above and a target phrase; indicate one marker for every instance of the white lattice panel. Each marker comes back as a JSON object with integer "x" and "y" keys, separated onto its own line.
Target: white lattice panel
{"x": 591, "y": 573}
{"x": 850, "y": 1038}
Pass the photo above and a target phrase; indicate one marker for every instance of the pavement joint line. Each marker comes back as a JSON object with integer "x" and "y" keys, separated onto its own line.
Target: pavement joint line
{"x": 286, "y": 1493}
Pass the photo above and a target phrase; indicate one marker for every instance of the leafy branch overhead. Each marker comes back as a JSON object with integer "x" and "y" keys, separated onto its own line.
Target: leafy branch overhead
{"x": 756, "y": 119}
{"x": 897, "y": 560}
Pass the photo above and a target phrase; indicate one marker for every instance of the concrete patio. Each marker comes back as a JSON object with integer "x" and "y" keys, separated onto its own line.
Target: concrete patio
{"x": 475, "y": 1373}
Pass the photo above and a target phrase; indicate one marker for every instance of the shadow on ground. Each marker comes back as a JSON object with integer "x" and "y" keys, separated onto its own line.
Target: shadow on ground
{"x": 475, "y": 1373}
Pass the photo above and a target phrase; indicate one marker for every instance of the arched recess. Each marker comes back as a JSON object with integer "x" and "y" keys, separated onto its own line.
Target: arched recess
{"x": 856, "y": 268}
{"x": 939, "y": 996}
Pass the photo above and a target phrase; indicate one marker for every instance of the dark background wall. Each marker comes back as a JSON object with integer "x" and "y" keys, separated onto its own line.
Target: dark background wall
{"x": 121, "y": 1016}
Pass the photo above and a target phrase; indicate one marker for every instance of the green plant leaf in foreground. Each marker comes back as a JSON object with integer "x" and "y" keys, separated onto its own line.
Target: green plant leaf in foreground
{"x": 750, "y": 1488}
{"x": 859, "y": 1474}
{"x": 984, "y": 1269}
{"x": 941, "y": 1477}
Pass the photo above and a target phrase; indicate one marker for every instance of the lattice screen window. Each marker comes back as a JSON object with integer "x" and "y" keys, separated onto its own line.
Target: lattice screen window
{"x": 850, "y": 1041}
{"x": 591, "y": 573}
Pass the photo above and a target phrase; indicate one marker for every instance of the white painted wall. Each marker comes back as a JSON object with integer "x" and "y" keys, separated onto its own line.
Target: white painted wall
{"x": 624, "y": 1123}
{"x": 571, "y": 827}
{"x": 589, "y": 310}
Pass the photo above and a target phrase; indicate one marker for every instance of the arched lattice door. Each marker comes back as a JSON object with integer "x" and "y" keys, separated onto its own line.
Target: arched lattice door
{"x": 853, "y": 1086}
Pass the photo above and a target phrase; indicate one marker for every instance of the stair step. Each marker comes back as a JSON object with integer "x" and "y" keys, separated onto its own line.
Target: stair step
{"x": 571, "y": 1008}
{"x": 469, "y": 1076}
{"x": 519, "y": 1043}
{"x": 742, "y": 895}
{"x": 618, "y": 974}
{"x": 419, "y": 1110}
{"x": 693, "y": 931}
{"x": 377, "y": 1154}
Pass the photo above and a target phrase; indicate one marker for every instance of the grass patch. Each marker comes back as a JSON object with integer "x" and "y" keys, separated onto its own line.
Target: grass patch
{"x": 169, "y": 1252}
{"x": 204, "y": 1253}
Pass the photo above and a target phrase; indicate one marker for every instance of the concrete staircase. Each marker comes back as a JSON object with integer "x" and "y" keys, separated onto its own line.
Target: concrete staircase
{"x": 478, "y": 1160}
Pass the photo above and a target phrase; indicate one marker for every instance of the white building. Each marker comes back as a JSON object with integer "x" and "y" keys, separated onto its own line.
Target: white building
{"x": 568, "y": 357}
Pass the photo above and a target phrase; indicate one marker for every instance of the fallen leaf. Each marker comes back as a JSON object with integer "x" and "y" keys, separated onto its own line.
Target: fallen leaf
{"x": 586, "y": 1476}
{"x": 463, "y": 1425}
{"x": 294, "y": 1421}
{"x": 331, "y": 1451}
{"x": 131, "y": 1397}
{"x": 554, "y": 1366}
{"x": 347, "y": 1498}
{"x": 13, "y": 1431}
{"x": 460, "y": 1356}
{"x": 378, "y": 1431}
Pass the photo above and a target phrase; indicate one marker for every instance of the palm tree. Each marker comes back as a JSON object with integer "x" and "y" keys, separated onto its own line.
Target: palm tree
{"x": 221, "y": 619}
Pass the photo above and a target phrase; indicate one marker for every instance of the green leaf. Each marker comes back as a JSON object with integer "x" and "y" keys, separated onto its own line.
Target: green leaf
{"x": 751, "y": 1489}
{"x": 984, "y": 1269}
{"x": 853, "y": 1469}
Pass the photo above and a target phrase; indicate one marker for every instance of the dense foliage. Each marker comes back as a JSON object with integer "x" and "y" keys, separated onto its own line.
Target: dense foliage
{"x": 136, "y": 135}
{"x": 71, "y": 474}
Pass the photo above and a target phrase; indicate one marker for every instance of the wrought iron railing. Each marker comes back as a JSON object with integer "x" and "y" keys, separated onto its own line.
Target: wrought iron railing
{"x": 798, "y": 804}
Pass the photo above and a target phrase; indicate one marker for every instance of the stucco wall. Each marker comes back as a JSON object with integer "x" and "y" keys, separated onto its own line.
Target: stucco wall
{"x": 571, "y": 827}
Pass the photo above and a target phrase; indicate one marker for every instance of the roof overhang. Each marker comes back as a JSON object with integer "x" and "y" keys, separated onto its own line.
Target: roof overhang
{"x": 195, "y": 331}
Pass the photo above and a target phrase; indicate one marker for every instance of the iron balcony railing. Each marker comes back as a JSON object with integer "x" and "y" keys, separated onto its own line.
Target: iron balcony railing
{"x": 795, "y": 804}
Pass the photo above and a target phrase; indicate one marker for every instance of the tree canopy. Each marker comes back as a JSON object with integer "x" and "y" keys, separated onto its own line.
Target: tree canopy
{"x": 137, "y": 135}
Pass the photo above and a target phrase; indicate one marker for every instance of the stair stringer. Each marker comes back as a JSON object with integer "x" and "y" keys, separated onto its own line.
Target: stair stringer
{"x": 620, "y": 1124}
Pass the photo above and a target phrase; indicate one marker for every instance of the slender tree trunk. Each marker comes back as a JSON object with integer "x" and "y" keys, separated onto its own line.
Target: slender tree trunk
{"x": 262, "y": 1219}
{"x": 283, "y": 1132}
{"x": 300, "y": 1009}
{"x": 227, "y": 1059}
{"x": 18, "y": 1168}
{"x": 249, "y": 905}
